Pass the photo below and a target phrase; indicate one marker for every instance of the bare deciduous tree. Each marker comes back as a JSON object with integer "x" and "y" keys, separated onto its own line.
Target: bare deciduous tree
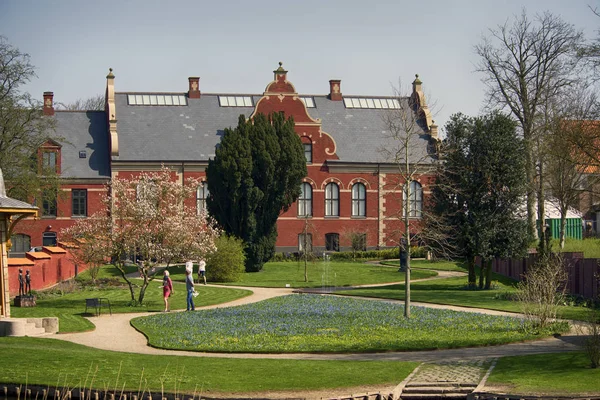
{"x": 23, "y": 129}
{"x": 542, "y": 289}
{"x": 94, "y": 103}
{"x": 525, "y": 64}
{"x": 411, "y": 154}
{"x": 569, "y": 170}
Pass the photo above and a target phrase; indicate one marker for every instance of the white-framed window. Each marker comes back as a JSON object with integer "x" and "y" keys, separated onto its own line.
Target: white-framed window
{"x": 235, "y": 101}
{"x": 49, "y": 159}
{"x": 413, "y": 200}
{"x": 156, "y": 100}
{"x": 332, "y": 200}
{"x": 308, "y": 152}
{"x": 305, "y": 200}
{"x": 305, "y": 242}
{"x": 201, "y": 196}
{"x": 359, "y": 200}
{"x": 309, "y": 101}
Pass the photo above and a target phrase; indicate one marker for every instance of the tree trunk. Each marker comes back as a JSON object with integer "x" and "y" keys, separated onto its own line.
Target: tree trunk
{"x": 488, "y": 274}
{"x": 472, "y": 282}
{"x": 145, "y": 284}
{"x": 481, "y": 272}
{"x": 544, "y": 242}
{"x": 563, "y": 228}
{"x": 530, "y": 174}
{"x": 121, "y": 269}
{"x": 407, "y": 281}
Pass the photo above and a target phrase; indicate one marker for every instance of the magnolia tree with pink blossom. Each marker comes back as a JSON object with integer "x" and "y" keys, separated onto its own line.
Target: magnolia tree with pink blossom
{"x": 152, "y": 215}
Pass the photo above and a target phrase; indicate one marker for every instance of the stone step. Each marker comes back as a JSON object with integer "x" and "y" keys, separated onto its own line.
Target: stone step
{"x": 442, "y": 383}
{"x": 28, "y": 326}
{"x": 438, "y": 389}
{"x": 432, "y": 396}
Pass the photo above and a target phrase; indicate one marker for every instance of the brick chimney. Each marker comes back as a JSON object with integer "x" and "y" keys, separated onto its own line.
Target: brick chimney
{"x": 335, "y": 92}
{"x": 194, "y": 87}
{"x": 48, "y": 103}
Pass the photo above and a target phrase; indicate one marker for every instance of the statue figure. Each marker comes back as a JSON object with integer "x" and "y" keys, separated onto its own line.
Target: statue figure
{"x": 21, "y": 281}
{"x": 28, "y": 283}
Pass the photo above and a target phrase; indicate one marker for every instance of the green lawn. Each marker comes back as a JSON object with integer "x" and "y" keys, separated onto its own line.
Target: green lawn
{"x": 70, "y": 307}
{"x": 333, "y": 273}
{"x": 48, "y": 362}
{"x": 300, "y": 323}
{"x": 556, "y": 374}
{"x": 453, "y": 291}
{"x": 435, "y": 265}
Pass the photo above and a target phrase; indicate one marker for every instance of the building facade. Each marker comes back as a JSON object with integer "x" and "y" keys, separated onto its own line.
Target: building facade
{"x": 356, "y": 149}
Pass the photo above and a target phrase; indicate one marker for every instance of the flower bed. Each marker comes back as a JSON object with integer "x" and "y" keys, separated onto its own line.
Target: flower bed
{"x": 313, "y": 323}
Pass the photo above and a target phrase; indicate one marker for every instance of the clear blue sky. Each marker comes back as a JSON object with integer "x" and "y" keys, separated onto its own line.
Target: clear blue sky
{"x": 235, "y": 45}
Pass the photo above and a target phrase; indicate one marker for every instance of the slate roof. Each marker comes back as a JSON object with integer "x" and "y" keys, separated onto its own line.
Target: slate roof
{"x": 191, "y": 133}
{"x": 9, "y": 202}
{"x": 83, "y": 131}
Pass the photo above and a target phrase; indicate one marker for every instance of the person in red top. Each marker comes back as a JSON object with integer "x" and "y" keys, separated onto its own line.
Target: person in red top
{"x": 167, "y": 289}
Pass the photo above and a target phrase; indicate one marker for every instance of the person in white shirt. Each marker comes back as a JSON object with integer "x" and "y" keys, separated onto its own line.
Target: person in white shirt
{"x": 202, "y": 271}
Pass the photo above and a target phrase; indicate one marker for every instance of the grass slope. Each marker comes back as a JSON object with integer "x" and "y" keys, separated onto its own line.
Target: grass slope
{"x": 54, "y": 362}
{"x": 70, "y": 307}
{"x": 453, "y": 291}
{"x": 556, "y": 374}
{"x": 334, "y": 273}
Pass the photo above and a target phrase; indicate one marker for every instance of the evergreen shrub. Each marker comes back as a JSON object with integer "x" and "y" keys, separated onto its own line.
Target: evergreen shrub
{"x": 227, "y": 263}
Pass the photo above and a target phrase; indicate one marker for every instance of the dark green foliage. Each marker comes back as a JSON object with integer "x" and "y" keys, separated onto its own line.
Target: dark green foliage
{"x": 255, "y": 175}
{"x": 385, "y": 254}
{"x": 480, "y": 188}
{"x": 227, "y": 263}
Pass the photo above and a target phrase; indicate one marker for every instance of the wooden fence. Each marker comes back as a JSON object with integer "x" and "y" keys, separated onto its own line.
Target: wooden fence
{"x": 583, "y": 273}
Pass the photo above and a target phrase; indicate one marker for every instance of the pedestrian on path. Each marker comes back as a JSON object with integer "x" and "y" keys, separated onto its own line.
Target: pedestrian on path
{"x": 167, "y": 289}
{"x": 189, "y": 285}
{"x": 202, "y": 271}
{"x": 189, "y": 266}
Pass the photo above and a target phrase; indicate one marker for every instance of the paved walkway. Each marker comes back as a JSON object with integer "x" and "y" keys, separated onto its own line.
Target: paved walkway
{"x": 458, "y": 367}
{"x": 116, "y": 333}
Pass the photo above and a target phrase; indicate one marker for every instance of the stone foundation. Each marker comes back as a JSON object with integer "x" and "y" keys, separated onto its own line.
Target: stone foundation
{"x": 25, "y": 301}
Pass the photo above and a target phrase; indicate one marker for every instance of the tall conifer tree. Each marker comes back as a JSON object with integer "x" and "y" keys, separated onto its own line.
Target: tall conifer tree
{"x": 255, "y": 175}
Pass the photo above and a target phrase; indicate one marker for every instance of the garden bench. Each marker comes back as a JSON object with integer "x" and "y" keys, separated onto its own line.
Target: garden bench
{"x": 97, "y": 303}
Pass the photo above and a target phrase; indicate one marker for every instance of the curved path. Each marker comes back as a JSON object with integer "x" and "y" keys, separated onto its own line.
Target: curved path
{"x": 116, "y": 333}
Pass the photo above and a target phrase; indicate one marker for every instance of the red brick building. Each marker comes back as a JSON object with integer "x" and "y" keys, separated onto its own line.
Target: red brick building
{"x": 353, "y": 186}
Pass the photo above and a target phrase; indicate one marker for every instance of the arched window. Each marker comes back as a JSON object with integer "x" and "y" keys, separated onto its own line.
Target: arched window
{"x": 414, "y": 205}
{"x": 332, "y": 200}
{"x": 305, "y": 200}
{"x": 201, "y": 196}
{"x": 359, "y": 200}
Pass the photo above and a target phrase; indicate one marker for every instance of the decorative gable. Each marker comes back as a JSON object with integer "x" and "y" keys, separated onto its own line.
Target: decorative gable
{"x": 281, "y": 96}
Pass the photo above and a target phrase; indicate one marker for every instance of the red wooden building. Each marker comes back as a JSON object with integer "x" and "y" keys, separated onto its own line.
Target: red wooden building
{"x": 353, "y": 185}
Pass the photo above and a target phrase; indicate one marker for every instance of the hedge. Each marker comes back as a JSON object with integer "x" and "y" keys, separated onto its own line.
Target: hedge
{"x": 385, "y": 254}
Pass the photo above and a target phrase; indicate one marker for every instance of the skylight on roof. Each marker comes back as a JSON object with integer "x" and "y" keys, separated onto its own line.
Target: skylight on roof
{"x": 363, "y": 102}
{"x": 156, "y": 100}
{"x": 235, "y": 101}
{"x": 309, "y": 101}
